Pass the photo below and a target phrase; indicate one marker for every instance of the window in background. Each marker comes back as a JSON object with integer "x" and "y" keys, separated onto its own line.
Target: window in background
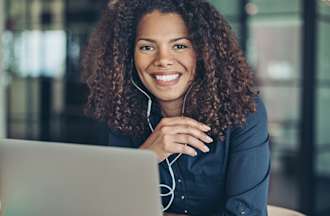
{"x": 274, "y": 50}
{"x": 3, "y": 124}
{"x": 323, "y": 7}
{"x": 35, "y": 54}
{"x": 277, "y": 8}
{"x": 43, "y": 42}
{"x": 323, "y": 98}
{"x": 322, "y": 149}
{"x": 230, "y": 10}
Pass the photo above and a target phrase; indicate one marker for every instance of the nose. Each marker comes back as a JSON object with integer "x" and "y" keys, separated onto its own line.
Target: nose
{"x": 164, "y": 58}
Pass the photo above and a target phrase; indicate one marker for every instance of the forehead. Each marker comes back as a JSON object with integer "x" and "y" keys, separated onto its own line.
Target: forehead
{"x": 160, "y": 25}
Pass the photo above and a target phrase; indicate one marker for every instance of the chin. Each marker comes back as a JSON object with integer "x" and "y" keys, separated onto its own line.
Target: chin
{"x": 169, "y": 98}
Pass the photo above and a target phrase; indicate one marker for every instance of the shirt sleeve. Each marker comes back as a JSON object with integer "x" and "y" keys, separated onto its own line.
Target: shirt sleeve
{"x": 248, "y": 166}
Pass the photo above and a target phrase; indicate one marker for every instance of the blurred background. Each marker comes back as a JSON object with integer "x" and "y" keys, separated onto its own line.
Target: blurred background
{"x": 286, "y": 42}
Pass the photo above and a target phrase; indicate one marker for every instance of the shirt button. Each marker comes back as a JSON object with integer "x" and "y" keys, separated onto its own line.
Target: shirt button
{"x": 182, "y": 197}
{"x": 179, "y": 180}
{"x": 185, "y": 211}
{"x": 242, "y": 209}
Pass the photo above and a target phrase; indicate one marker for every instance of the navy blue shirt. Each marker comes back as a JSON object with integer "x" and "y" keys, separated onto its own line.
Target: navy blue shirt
{"x": 231, "y": 179}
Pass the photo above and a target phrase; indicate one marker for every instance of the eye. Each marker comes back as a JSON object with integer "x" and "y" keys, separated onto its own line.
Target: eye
{"x": 146, "y": 48}
{"x": 180, "y": 46}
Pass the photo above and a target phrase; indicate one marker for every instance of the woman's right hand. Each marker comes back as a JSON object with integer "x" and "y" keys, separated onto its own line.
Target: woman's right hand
{"x": 178, "y": 135}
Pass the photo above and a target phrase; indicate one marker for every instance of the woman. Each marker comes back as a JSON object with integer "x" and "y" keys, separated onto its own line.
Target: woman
{"x": 169, "y": 76}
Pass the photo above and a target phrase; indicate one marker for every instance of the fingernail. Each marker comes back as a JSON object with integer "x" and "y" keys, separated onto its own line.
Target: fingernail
{"x": 195, "y": 153}
{"x": 207, "y": 128}
{"x": 206, "y": 149}
{"x": 209, "y": 139}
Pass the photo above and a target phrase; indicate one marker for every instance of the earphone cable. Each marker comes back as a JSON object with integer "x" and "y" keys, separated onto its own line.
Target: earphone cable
{"x": 169, "y": 164}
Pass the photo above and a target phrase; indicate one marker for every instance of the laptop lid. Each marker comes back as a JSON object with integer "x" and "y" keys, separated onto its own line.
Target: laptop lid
{"x": 52, "y": 179}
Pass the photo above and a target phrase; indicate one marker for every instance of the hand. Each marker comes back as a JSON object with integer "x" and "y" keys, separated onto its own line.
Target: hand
{"x": 178, "y": 135}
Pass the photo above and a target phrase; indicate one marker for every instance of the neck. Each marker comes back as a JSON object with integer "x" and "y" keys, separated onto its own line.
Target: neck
{"x": 171, "y": 108}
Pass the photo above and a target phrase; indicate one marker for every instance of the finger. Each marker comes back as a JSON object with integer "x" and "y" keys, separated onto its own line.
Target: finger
{"x": 183, "y": 121}
{"x": 187, "y": 129}
{"x": 192, "y": 141}
{"x": 184, "y": 149}
{"x": 171, "y": 146}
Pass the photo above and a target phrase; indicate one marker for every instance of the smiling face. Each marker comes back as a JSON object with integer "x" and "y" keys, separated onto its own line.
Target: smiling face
{"x": 164, "y": 56}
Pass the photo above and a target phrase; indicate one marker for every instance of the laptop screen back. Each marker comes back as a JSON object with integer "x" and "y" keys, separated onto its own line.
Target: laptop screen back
{"x": 52, "y": 179}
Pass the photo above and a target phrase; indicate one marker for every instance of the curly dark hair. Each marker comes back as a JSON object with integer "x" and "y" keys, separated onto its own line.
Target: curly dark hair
{"x": 222, "y": 92}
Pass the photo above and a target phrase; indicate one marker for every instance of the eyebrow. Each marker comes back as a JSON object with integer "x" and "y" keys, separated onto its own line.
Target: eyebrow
{"x": 172, "y": 40}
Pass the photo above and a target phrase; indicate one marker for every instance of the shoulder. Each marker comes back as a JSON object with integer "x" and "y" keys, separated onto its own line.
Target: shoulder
{"x": 254, "y": 131}
{"x": 259, "y": 117}
{"x": 255, "y": 119}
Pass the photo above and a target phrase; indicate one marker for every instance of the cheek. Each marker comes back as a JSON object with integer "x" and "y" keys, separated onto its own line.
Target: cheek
{"x": 137, "y": 61}
{"x": 190, "y": 63}
{"x": 141, "y": 62}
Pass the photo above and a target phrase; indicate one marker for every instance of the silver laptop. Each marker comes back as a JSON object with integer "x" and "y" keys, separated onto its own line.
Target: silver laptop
{"x": 54, "y": 179}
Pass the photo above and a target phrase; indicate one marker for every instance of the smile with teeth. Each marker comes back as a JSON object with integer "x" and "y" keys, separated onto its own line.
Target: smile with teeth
{"x": 167, "y": 77}
{"x": 166, "y": 80}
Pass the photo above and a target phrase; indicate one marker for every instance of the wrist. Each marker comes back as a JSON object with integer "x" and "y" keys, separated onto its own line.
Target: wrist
{"x": 146, "y": 146}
